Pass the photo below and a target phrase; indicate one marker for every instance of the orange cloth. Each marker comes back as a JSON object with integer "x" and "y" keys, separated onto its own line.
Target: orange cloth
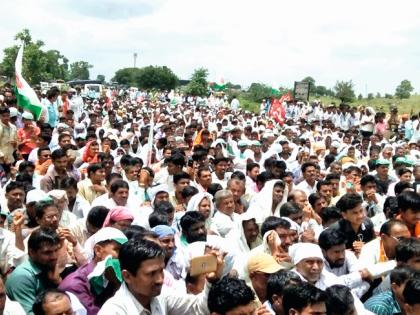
{"x": 26, "y": 139}
{"x": 41, "y": 169}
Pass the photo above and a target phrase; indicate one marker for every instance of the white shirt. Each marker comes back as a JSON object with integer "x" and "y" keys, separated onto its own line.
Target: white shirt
{"x": 10, "y": 255}
{"x": 124, "y": 303}
{"x": 13, "y": 308}
{"x": 223, "y": 224}
{"x": 222, "y": 182}
{"x": 304, "y": 186}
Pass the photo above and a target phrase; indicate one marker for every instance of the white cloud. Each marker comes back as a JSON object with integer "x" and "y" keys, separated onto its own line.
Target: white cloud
{"x": 374, "y": 43}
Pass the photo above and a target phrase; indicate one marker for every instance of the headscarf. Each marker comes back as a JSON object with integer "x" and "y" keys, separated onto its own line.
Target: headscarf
{"x": 87, "y": 157}
{"x": 163, "y": 230}
{"x": 238, "y": 235}
{"x": 262, "y": 203}
{"x": 301, "y": 251}
{"x": 195, "y": 202}
{"x": 117, "y": 214}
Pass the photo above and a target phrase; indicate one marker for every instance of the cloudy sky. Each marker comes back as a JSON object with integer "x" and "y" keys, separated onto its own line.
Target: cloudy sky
{"x": 374, "y": 43}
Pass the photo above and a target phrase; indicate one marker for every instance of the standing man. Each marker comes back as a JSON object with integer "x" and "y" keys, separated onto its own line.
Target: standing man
{"x": 8, "y": 138}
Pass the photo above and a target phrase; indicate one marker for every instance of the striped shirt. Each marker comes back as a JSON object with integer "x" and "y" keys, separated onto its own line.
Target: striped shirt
{"x": 383, "y": 304}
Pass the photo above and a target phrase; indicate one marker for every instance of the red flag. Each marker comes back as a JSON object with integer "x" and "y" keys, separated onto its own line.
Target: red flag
{"x": 277, "y": 110}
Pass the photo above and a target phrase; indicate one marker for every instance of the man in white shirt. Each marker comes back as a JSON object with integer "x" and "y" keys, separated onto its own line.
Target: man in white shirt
{"x": 308, "y": 185}
{"x": 225, "y": 218}
{"x": 142, "y": 264}
{"x": 219, "y": 176}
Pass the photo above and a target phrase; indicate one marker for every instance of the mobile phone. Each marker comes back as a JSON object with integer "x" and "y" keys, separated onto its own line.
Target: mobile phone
{"x": 203, "y": 264}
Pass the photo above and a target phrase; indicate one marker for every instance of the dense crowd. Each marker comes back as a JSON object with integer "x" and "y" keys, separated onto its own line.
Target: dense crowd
{"x": 159, "y": 203}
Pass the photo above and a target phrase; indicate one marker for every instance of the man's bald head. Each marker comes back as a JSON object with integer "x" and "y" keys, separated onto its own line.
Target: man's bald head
{"x": 299, "y": 197}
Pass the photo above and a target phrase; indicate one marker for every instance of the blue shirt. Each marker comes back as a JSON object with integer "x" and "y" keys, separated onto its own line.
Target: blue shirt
{"x": 383, "y": 304}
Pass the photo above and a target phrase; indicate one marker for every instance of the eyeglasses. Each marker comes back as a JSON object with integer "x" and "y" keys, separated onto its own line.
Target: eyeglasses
{"x": 398, "y": 238}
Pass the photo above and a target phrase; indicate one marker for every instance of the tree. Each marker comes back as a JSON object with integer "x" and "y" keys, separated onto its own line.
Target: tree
{"x": 37, "y": 65}
{"x": 312, "y": 86}
{"x": 258, "y": 91}
{"x": 378, "y": 95}
{"x": 404, "y": 89}
{"x": 161, "y": 78}
{"x": 389, "y": 96}
{"x": 344, "y": 91}
{"x": 360, "y": 97}
{"x": 79, "y": 70}
{"x": 100, "y": 77}
{"x": 320, "y": 90}
{"x": 127, "y": 76}
{"x": 370, "y": 96}
{"x": 198, "y": 83}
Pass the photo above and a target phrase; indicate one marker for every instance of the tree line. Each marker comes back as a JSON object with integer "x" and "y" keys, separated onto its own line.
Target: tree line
{"x": 49, "y": 65}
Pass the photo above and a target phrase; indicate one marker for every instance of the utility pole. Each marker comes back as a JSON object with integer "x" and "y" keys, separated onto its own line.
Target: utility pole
{"x": 135, "y": 59}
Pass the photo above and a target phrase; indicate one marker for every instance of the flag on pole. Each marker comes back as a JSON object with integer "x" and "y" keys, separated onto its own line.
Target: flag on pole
{"x": 277, "y": 110}
{"x": 25, "y": 95}
{"x": 219, "y": 85}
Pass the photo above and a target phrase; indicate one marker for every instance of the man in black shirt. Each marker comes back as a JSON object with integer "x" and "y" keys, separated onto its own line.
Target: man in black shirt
{"x": 354, "y": 223}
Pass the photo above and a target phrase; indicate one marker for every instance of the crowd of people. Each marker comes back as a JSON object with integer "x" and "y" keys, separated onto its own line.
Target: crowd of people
{"x": 107, "y": 203}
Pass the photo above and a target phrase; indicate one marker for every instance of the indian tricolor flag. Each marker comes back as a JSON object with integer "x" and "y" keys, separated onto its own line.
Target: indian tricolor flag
{"x": 219, "y": 85}
{"x": 26, "y": 97}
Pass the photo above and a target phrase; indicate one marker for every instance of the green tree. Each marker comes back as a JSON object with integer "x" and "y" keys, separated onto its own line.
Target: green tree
{"x": 389, "y": 96}
{"x": 127, "y": 76}
{"x": 312, "y": 86}
{"x": 320, "y": 90}
{"x": 37, "y": 65}
{"x": 161, "y": 78}
{"x": 79, "y": 70}
{"x": 258, "y": 91}
{"x": 360, "y": 97}
{"x": 378, "y": 95}
{"x": 370, "y": 96}
{"x": 230, "y": 85}
{"x": 198, "y": 83}
{"x": 344, "y": 91}
{"x": 404, "y": 89}
{"x": 100, "y": 77}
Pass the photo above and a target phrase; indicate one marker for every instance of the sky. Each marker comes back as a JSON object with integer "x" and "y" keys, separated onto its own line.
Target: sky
{"x": 373, "y": 43}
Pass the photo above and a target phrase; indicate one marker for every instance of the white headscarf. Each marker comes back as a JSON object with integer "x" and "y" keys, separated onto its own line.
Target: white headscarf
{"x": 262, "y": 203}
{"x": 195, "y": 202}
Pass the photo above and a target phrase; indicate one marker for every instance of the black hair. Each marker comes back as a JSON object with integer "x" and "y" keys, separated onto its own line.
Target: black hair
{"x": 322, "y": 183}
{"x": 15, "y": 185}
{"x": 401, "y": 186}
{"x": 201, "y": 170}
{"x": 406, "y": 249}
{"x": 40, "y": 237}
{"x": 331, "y": 237}
{"x": 125, "y": 160}
{"x": 24, "y": 165}
{"x": 387, "y": 226}
{"x": 219, "y": 159}
{"x": 214, "y": 188}
{"x": 41, "y": 206}
{"x": 238, "y": 175}
{"x": 92, "y": 168}
{"x": 190, "y": 218}
{"x": 111, "y": 176}
{"x": 272, "y": 222}
{"x": 349, "y": 201}
{"x": 251, "y": 166}
{"x": 306, "y": 165}
{"x": 228, "y": 294}
{"x": 4, "y": 110}
{"x": 189, "y": 191}
{"x": 165, "y": 207}
{"x": 409, "y": 200}
{"x": 41, "y": 299}
{"x": 367, "y": 179}
{"x": 263, "y": 177}
{"x": 278, "y": 281}
{"x": 158, "y": 218}
{"x": 300, "y": 296}
{"x": 391, "y": 207}
{"x": 331, "y": 176}
{"x": 328, "y": 159}
{"x": 58, "y": 154}
{"x": 69, "y": 182}
{"x": 289, "y": 208}
{"x": 330, "y": 213}
{"x": 313, "y": 198}
{"x": 44, "y": 148}
{"x": 402, "y": 171}
{"x": 97, "y": 215}
{"x": 280, "y": 184}
{"x": 62, "y": 136}
{"x": 339, "y": 300}
{"x": 134, "y": 252}
{"x": 136, "y": 232}
{"x": 411, "y": 291}
{"x": 119, "y": 183}
{"x": 176, "y": 159}
{"x": 179, "y": 176}
{"x": 401, "y": 274}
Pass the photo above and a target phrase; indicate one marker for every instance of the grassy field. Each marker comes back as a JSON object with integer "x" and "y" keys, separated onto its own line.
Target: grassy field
{"x": 405, "y": 106}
